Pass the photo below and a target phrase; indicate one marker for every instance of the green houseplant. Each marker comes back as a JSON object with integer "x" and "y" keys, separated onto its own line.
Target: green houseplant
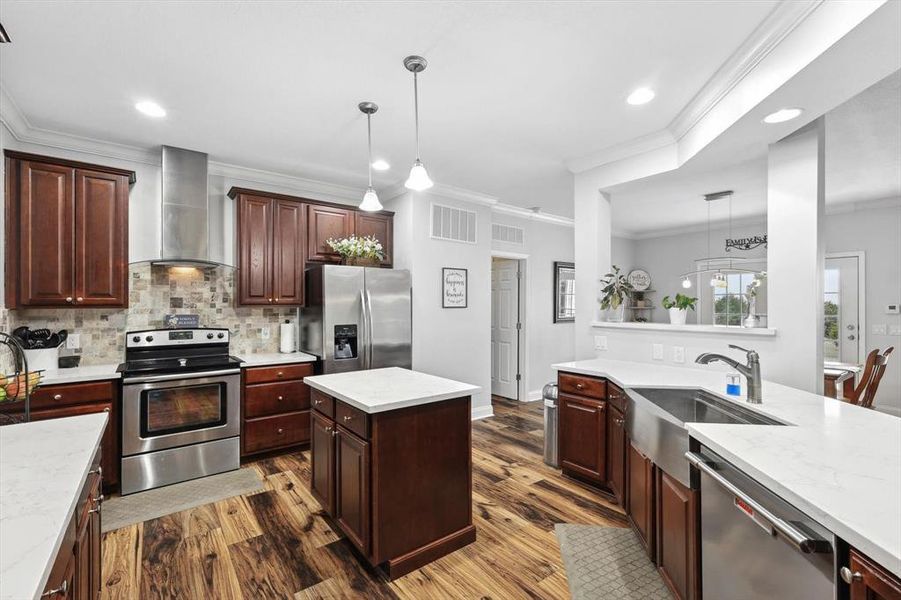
{"x": 363, "y": 251}
{"x": 678, "y": 308}
{"x": 616, "y": 288}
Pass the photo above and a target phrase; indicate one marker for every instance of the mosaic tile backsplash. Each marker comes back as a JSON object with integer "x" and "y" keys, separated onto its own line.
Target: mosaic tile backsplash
{"x": 156, "y": 291}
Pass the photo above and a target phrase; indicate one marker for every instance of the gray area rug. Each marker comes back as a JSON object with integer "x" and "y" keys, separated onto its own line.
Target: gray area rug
{"x": 121, "y": 511}
{"x": 607, "y": 563}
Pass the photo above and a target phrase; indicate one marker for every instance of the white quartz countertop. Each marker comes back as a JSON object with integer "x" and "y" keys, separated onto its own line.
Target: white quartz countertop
{"x": 43, "y": 465}
{"x": 276, "y": 358}
{"x": 839, "y": 463}
{"x": 380, "y": 390}
{"x": 78, "y": 374}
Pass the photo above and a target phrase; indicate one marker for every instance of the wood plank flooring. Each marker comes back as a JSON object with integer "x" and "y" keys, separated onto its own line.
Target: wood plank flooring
{"x": 276, "y": 544}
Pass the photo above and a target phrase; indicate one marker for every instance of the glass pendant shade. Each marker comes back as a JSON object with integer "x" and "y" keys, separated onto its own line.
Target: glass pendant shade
{"x": 686, "y": 283}
{"x": 370, "y": 201}
{"x": 419, "y": 178}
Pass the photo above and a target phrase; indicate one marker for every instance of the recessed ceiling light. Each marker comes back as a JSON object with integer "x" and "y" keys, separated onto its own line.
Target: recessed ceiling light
{"x": 151, "y": 109}
{"x": 380, "y": 165}
{"x": 783, "y": 115}
{"x": 641, "y": 96}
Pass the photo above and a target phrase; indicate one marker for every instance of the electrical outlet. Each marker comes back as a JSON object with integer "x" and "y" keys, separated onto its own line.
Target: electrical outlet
{"x": 600, "y": 342}
{"x": 894, "y": 329}
{"x": 73, "y": 342}
{"x": 657, "y": 351}
{"x": 679, "y": 354}
{"x": 879, "y": 329}
{"x": 264, "y": 333}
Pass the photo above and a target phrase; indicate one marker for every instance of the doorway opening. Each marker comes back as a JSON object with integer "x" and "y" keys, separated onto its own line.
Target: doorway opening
{"x": 844, "y": 308}
{"x": 508, "y": 333}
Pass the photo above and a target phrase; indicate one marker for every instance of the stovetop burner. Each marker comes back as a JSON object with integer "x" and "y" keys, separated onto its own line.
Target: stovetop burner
{"x": 172, "y": 351}
{"x": 161, "y": 366}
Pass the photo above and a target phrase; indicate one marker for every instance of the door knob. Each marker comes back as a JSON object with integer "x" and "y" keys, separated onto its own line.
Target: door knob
{"x": 851, "y": 337}
{"x": 850, "y": 327}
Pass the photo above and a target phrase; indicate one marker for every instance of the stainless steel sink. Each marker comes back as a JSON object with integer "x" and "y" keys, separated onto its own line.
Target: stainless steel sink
{"x": 656, "y": 418}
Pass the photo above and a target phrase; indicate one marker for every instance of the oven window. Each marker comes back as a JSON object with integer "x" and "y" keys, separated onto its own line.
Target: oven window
{"x": 183, "y": 408}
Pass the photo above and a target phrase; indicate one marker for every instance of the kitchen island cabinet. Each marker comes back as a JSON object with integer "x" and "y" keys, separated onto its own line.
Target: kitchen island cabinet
{"x": 392, "y": 463}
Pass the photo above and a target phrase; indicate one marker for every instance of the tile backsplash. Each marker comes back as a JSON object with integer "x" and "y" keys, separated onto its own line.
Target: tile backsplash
{"x": 154, "y": 292}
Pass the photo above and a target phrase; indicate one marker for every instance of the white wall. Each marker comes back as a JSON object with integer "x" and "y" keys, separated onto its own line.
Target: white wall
{"x": 546, "y": 342}
{"x": 448, "y": 342}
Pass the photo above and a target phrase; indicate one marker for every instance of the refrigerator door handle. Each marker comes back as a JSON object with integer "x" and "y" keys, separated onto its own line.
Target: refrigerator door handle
{"x": 364, "y": 341}
{"x": 369, "y": 330}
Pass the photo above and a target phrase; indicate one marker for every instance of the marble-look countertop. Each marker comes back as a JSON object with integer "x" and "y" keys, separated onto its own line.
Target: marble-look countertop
{"x": 78, "y": 374}
{"x": 839, "y": 463}
{"x": 380, "y": 390}
{"x": 43, "y": 466}
{"x": 276, "y": 358}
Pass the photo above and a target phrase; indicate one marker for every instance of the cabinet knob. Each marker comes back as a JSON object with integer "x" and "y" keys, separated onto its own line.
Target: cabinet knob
{"x": 280, "y": 398}
{"x": 849, "y": 576}
{"x": 317, "y": 401}
{"x": 107, "y": 409}
{"x": 97, "y": 471}
{"x": 270, "y": 299}
{"x": 62, "y": 590}
{"x": 347, "y": 418}
{"x": 279, "y": 374}
{"x": 579, "y": 386}
{"x": 69, "y": 299}
{"x": 280, "y": 431}
{"x": 79, "y": 299}
{"x": 276, "y": 300}
{"x": 328, "y": 428}
{"x": 57, "y": 396}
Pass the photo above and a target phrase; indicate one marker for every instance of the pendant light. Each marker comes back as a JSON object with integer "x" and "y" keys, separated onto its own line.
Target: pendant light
{"x": 370, "y": 202}
{"x": 419, "y": 179}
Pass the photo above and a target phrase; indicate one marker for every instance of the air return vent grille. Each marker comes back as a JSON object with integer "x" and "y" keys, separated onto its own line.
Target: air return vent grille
{"x": 454, "y": 224}
{"x": 507, "y": 234}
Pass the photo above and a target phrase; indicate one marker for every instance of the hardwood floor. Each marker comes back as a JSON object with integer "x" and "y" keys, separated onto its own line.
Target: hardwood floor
{"x": 276, "y": 544}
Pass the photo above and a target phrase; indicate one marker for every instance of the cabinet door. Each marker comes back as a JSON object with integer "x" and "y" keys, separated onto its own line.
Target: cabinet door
{"x": 616, "y": 453}
{"x": 582, "y": 437}
{"x": 254, "y": 250}
{"x": 95, "y": 534}
{"x": 640, "y": 497}
{"x": 677, "y": 537}
{"x": 83, "y": 581}
{"x": 101, "y": 239}
{"x": 352, "y": 510}
{"x": 47, "y": 234}
{"x": 381, "y": 227}
{"x": 869, "y": 581}
{"x": 324, "y": 222}
{"x": 322, "y": 460}
{"x": 287, "y": 248}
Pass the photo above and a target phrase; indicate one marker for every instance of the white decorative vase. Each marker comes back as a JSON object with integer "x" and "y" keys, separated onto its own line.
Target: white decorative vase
{"x": 677, "y": 316}
{"x": 616, "y": 315}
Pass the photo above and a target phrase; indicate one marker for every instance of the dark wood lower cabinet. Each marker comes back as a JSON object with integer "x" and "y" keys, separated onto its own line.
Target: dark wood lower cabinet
{"x": 322, "y": 460}
{"x": 870, "y": 581}
{"x": 275, "y": 408}
{"x": 352, "y": 506}
{"x": 640, "y": 497}
{"x": 616, "y": 453}
{"x": 678, "y": 546}
{"x": 582, "y": 444}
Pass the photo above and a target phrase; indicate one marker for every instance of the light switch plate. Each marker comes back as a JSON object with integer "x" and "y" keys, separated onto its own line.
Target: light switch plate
{"x": 657, "y": 351}
{"x": 73, "y": 342}
{"x": 879, "y": 329}
{"x": 894, "y": 329}
{"x": 679, "y": 354}
{"x": 264, "y": 333}
{"x": 600, "y": 342}
{"x": 892, "y": 309}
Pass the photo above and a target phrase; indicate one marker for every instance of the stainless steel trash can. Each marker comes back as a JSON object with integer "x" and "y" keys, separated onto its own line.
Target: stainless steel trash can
{"x": 549, "y": 394}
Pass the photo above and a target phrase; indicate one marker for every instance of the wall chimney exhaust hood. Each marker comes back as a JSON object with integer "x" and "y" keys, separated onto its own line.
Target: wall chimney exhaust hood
{"x": 185, "y": 210}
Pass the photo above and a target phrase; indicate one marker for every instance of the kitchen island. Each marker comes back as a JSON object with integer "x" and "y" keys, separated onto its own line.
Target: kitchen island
{"x": 392, "y": 463}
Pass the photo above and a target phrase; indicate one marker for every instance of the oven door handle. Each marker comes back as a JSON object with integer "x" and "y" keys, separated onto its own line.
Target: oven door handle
{"x": 800, "y": 540}
{"x": 180, "y": 376}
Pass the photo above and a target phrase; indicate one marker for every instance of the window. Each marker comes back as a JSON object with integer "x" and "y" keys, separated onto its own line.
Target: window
{"x": 831, "y": 303}
{"x": 730, "y": 303}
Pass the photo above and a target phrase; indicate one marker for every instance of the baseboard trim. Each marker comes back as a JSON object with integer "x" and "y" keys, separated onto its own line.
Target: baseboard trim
{"x": 533, "y": 396}
{"x": 482, "y": 412}
{"x": 400, "y": 566}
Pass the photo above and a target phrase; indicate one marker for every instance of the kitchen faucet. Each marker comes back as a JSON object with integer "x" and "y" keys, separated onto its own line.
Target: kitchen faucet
{"x": 751, "y": 370}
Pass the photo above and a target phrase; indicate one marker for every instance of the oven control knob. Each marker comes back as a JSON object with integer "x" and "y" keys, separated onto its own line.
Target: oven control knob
{"x": 209, "y": 336}
{"x": 136, "y": 339}
{"x": 221, "y": 335}
{"x": 149, "y": 338}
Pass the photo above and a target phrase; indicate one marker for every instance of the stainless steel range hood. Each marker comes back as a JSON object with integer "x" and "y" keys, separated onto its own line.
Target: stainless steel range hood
{"x": 185, "y": 210}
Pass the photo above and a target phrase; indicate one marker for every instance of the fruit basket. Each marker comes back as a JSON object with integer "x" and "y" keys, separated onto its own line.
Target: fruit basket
{"x": 17, "y": 385}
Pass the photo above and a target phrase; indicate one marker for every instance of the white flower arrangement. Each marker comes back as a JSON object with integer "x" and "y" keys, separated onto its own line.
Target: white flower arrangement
{"x": 358, "y": 247}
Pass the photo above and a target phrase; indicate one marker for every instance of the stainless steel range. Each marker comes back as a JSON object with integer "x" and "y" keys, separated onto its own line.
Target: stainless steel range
{"x": 181, "y": 394}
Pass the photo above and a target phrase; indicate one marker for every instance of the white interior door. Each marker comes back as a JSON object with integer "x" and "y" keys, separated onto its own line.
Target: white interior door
{"x": 841, "y": 327}
{"x": 505, "y": 328}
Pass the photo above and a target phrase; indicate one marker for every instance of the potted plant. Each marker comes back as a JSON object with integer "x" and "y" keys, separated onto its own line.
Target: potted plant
{"x": 361, "y": 251}
{"x": 613, "y": 295}
{"x": 678, "y": 308}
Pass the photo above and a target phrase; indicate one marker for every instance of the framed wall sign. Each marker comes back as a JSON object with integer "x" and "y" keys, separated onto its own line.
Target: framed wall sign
{"x": 453, "y": 287}
{"x": 564, "y": 292}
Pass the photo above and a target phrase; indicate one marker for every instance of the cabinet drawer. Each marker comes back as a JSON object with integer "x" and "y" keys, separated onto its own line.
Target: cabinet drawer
{"x": 268, "y": 433}
{"x": 583, "y": 386}
{"x": 275, "y": 398}
{"x": 616, "y": 397}
{"x": 352, "y": 419}
{"x": 277, "y": 373}
{"x": 323, "y": 403}
{"x": 52, "y": 396}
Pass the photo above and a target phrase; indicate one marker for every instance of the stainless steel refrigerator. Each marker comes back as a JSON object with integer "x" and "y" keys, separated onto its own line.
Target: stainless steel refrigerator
{"x": 357, "y": 318}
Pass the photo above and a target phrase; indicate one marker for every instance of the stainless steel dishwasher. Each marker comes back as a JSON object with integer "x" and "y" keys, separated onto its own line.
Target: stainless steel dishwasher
{"x": 753, "y": 543}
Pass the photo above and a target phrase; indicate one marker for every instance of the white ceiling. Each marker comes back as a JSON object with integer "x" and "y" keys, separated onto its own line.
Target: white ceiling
{"x": 863, "y": 165}
{"x": 512, "y": 89}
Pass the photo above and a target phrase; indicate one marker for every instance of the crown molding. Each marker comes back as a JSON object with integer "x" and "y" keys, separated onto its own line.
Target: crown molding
{"x": 777, "y": 25}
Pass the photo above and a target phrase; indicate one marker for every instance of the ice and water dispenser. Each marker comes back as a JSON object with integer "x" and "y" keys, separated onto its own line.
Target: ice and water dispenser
{"x": 345, "y": 341}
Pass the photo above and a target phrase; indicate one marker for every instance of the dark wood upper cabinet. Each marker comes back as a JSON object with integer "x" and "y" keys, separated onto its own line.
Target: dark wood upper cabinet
{"x": 254, "y": 250}
{"x": 678, "y": 543}
{"x": 381, "y": 227}
{"x": 66, "y": 233}
{"x": 582, "y": 437}
{"x": 287, "y": 250}
{"x": 324, "y": 223}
